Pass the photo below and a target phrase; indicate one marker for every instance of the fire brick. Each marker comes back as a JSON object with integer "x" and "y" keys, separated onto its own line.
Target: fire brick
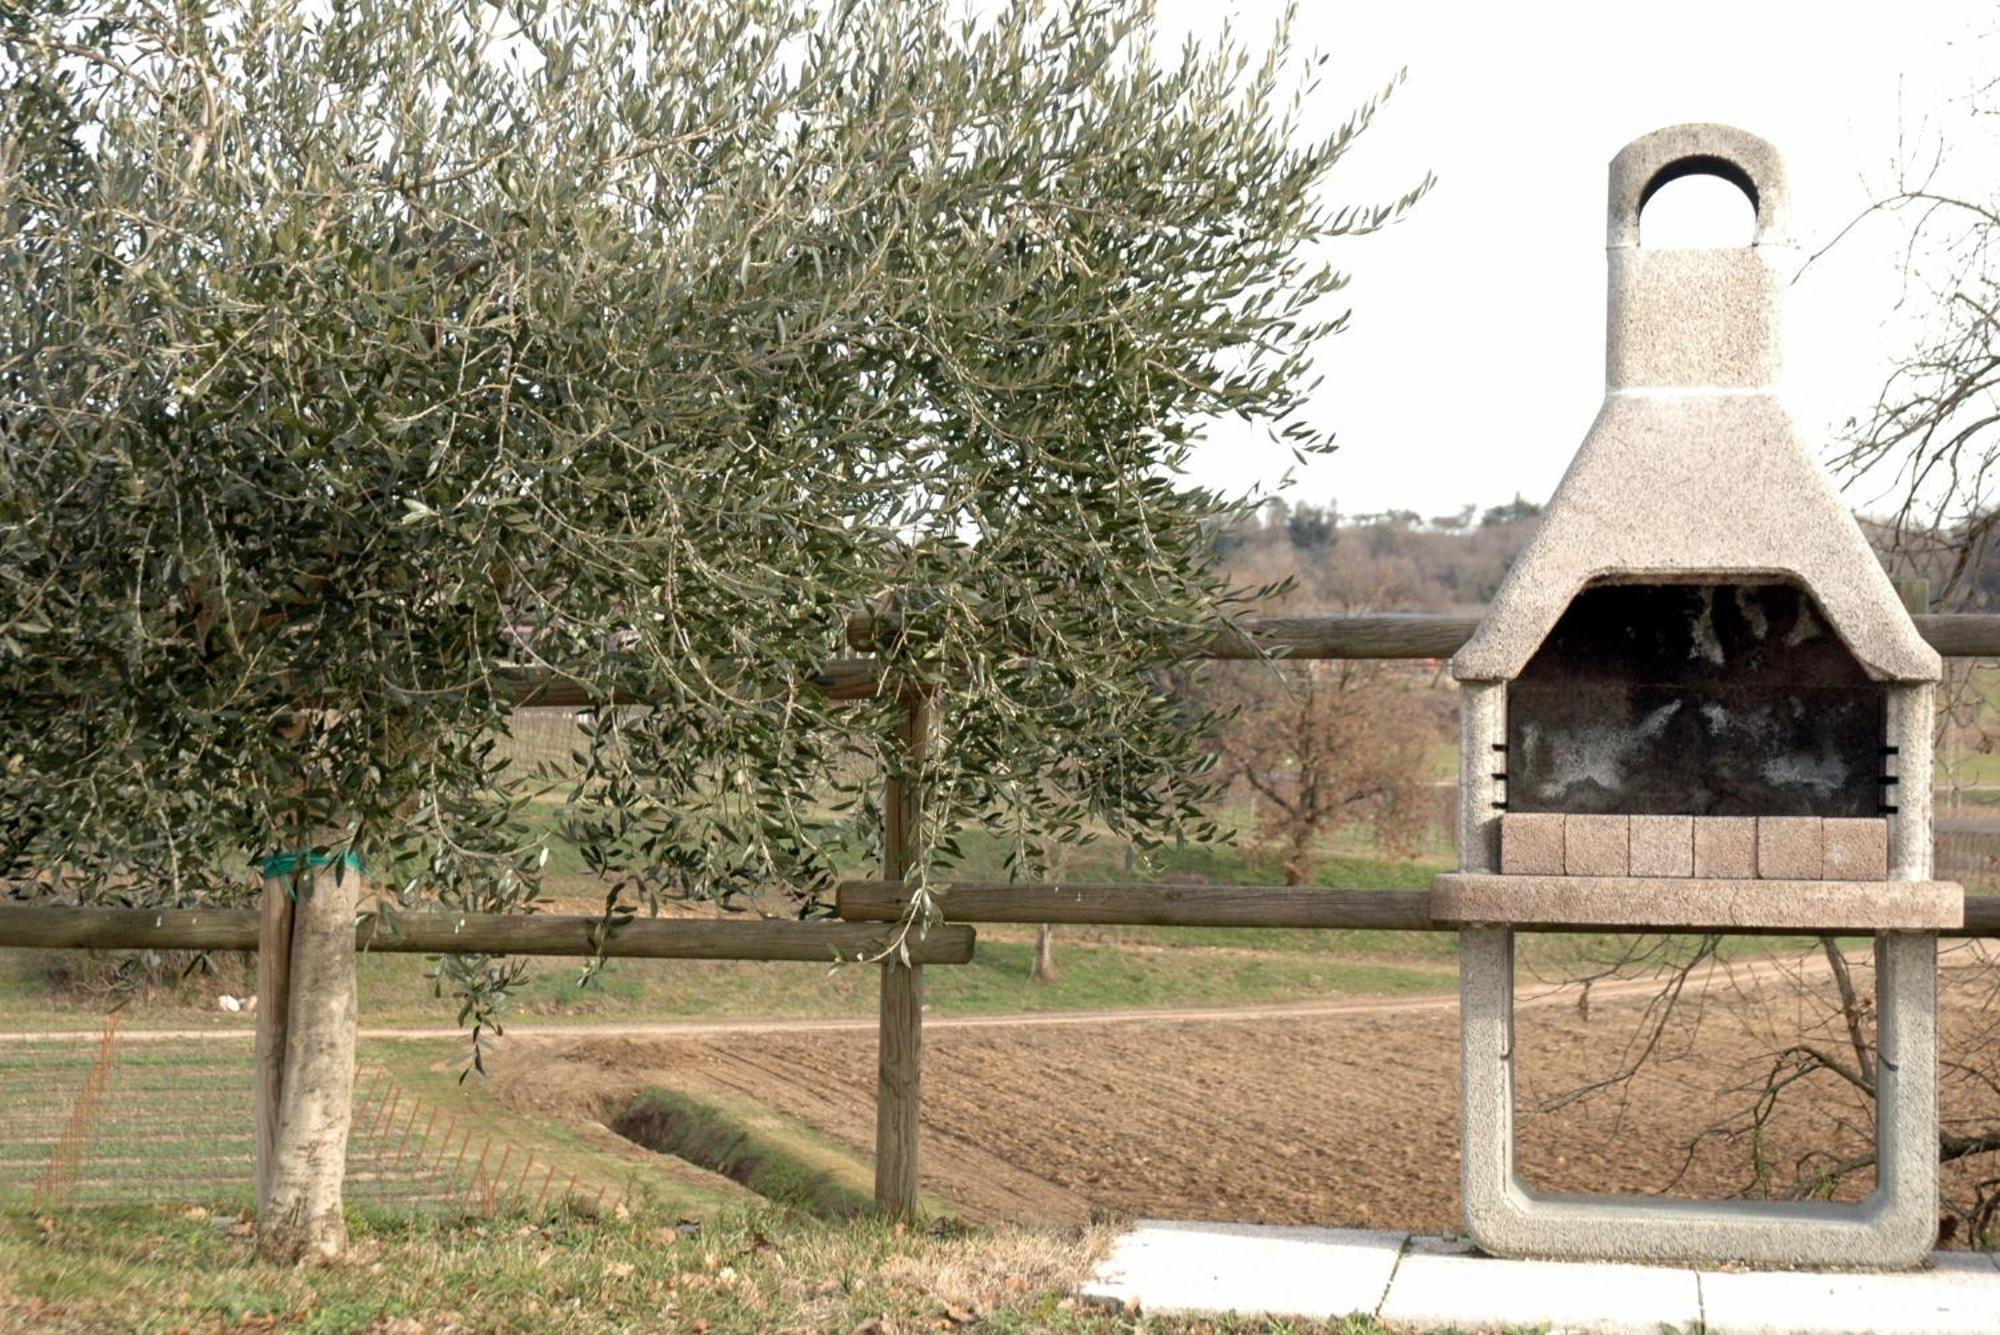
{"x": 1791, "y": 848}
{"x": 1663, "y": 845}
{"x": 1597, "y": 845}
{"x": 1531, "y": 843}
{"x": 1857, "y": 850}
{"x": 1725, "y": 848}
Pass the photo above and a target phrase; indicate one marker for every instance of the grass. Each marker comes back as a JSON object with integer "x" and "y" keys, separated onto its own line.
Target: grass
{"x": 746, "y": 1266}
{"x": 1112, "y": 977}
{"x": 1095, "y": 973}
{"x": 1347, "y": 853}
{"x": 172, "y": 1268}
{"x": 1970, "y": 767}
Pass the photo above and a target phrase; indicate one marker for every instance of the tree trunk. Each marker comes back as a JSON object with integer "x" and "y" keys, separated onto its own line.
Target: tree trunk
{"x": 303, "y": 1220}
{"x": 1297, "y": 865}
{"x": 1045, "y": 954}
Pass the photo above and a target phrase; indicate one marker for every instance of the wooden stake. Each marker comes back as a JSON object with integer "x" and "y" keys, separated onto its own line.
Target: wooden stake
{"x": 493, "y": 1183}
{"x": 444, "y": 1148}
{"x": 472, "y": 1188}
{"x": 898, "y": 1089}
{"x": 404, "y": 1144}
{"x": 374, "y": 1083}
{"x": 543, "y": 1194}
{"x": 58, "y": 1184}
{"x": 274, "y": 1004}
{"x": 429, "y": 1126}
{"x": 459, "y": 1162}
{"x": 900, "y": 1037}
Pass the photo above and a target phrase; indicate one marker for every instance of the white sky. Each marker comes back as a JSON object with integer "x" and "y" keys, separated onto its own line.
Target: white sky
{"x": 1474, "y": 363}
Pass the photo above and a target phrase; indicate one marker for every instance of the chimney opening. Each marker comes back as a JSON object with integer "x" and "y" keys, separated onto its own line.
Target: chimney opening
{"x": 1698, "y": 203}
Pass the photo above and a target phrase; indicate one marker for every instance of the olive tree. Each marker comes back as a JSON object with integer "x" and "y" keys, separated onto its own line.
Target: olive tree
{"x": 352, "y": 364}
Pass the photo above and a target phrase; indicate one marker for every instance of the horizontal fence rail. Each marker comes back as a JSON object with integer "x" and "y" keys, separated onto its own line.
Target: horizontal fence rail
{"x": 1382, "y": 635}
{"x": 1430, "y": 635}
{"x": 1149, "y": 905}
{"x": 73, "y": 928}
{"x": 870, "y": 911}
{"x": 1236, "y": 906}
{"x": 1419, "y": 635}
{"x": 1961, "y": 634}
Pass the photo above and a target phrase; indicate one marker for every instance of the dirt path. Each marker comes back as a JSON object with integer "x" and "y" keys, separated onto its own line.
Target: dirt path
{"x": 1541, "y": 995}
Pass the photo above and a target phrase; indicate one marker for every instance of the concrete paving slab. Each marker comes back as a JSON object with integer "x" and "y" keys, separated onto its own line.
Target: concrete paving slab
{"x": 1958, "y": 1293}
{"x": 1467, "y": 1291}
{"x": 1250, "y": 1269}
{"x": 1430, "y": 1283}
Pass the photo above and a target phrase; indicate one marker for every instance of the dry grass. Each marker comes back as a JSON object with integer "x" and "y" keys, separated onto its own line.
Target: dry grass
{"x": 184, "y": 1269}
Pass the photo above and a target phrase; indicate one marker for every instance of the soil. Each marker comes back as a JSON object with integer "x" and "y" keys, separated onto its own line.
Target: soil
{"x": 1340, "y": 1115}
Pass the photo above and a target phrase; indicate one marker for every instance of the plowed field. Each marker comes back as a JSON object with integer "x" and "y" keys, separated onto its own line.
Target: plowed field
{"x": 1345, "y": 1118}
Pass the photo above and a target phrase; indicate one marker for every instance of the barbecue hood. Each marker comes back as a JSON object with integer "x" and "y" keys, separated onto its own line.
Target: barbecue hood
{"x": 1694, "y": 470}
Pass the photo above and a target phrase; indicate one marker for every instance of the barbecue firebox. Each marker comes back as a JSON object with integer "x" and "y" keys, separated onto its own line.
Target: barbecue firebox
{"x": 1697, "y": 703}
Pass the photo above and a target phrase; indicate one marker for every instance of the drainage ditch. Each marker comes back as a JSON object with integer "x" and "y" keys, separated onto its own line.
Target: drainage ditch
{"x": 755, "y": 1150}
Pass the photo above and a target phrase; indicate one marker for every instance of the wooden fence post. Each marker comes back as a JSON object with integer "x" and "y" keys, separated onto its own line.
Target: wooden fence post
{"x": 274, "y": 1003}
{"x": 900, "y": 1044}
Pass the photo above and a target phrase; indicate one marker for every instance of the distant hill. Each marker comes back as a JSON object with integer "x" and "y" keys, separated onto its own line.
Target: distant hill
{"x": 1400, "y": 561}
{"x": 1397, "y": 561}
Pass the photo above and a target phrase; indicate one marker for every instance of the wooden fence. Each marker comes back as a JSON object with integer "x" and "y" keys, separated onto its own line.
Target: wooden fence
{"x": 875, "y": 906}
{"x": 1237, "y": 906}
{"x": 51, "y": 927}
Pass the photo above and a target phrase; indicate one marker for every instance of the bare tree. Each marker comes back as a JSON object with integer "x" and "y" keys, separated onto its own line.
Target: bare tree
{"x": 1321, "y": 745}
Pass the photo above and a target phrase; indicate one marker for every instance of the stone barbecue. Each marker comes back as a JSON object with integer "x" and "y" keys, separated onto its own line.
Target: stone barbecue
{"x": 1697, "y": 703}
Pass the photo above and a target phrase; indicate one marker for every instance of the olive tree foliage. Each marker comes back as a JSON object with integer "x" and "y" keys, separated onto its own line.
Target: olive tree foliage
{"x": 351, "y": 363}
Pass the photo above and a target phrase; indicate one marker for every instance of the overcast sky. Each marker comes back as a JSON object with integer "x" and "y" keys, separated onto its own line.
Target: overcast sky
{"x": 1475, "y": 360}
